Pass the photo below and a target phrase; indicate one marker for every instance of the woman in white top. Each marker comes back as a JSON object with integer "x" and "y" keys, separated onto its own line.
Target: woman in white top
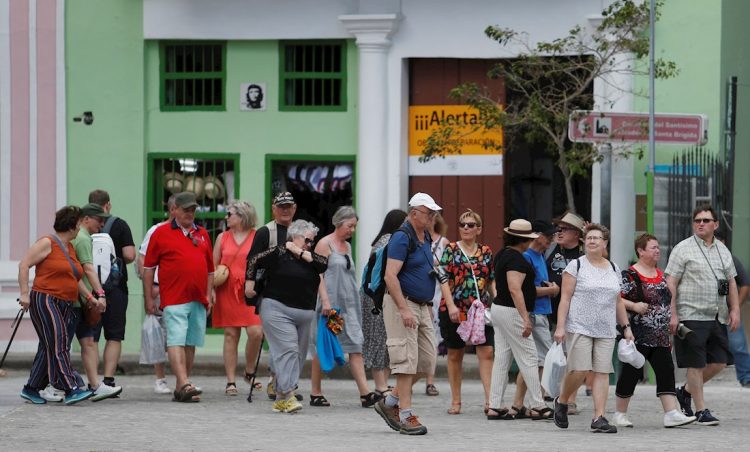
{"x": 438, "y": 229}
{"x": 590, "y": 308}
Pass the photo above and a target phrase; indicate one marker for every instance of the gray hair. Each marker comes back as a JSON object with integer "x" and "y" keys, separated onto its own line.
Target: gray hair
{"x": 298, "y": 228}
{"x": 342, "y": 214}
{"x": 246, "y": 212}
{"x": 171, "y": 201}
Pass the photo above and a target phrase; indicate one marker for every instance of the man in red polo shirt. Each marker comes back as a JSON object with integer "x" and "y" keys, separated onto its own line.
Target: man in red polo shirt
{"x": 182, "y": 251}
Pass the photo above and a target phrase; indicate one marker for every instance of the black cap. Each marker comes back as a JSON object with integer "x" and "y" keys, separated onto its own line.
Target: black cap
{"x": 544, "y": 227}
{"x": 283, "y": 198}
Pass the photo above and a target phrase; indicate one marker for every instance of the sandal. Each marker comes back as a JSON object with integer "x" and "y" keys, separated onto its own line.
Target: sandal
{"x": 231, "y": 389}
{"x": 250, "y": 379}
{"x": 541, "y": 414}
{"x": 455, "y": 408}
{"x": 431, "y": 390}
{"x": 521, "y": 412}
{"x": 500, "y": 414}
{"x": 370, "y": 399}
{"x": 186, "y": 394}
{"x": 486, "y": 408}
{"x": 319, "y": 400}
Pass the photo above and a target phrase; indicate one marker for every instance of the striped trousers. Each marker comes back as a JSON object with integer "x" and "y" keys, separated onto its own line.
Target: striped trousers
{"x": 51, "y": 318}
{"x": 510, "y": 343}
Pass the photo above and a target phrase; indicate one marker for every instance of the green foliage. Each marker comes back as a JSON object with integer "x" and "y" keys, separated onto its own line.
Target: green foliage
{"x": 547, "y": 81}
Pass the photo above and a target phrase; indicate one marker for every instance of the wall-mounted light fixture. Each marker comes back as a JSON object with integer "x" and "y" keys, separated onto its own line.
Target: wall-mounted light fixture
{"x": 87, "y": 117}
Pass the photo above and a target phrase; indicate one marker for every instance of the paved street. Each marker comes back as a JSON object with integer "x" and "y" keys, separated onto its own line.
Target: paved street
{"x": 141, "y": 420}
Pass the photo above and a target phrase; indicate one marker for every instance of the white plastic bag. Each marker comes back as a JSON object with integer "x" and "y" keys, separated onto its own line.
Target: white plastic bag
{"x": 555, "y": 365}
{"x": 153, "y": 341}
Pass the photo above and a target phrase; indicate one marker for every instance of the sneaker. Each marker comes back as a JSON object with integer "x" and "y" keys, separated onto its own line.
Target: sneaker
{"x": 292, "y": 405}
{"x": 602, "y": 425}
{"x": 561, "y": 414}
{"x": 52, "y": 394}
{"x": 676, "y": 418}
{"x": 279, "y": 406}
{"x": 685, "y": 400}
{"x": 745, "y": 384}
{"x": 412, "y": 426}
{"x": 621, "y": 420}
{"x": 588, "y": 392}
{"x": 105, "y": 392}
{"x": 389, "y": 414}
{"x": 704, "y": 417}
{"x": 32, "y": 395}
{"x": 270, "y": 392}
{"x": 78, "y": 394}
{"x": 573, "y": 409}
{"x": 161, "y": 387}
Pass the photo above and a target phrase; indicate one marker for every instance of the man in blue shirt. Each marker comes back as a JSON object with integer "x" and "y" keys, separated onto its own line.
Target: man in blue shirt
{"x": 543, "y": 305}
{"x": 410, "y": 282}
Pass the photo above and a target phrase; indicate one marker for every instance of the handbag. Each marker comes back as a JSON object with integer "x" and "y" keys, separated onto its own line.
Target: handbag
{"x": 91, "y": 316}
{"x": 221, "y": 272}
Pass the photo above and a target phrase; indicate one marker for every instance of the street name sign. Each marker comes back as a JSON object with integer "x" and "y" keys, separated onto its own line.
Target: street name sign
{"x": 613, "y": 127}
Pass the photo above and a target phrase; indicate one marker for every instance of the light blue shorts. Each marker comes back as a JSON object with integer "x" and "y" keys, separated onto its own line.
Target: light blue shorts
{"x": 186, "y": 324}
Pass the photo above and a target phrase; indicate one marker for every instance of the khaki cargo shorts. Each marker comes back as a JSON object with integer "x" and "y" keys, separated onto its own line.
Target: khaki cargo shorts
{"x": 410, "y": 350}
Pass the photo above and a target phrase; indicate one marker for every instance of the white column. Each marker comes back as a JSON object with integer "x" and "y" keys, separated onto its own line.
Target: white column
{"x": 372, "y": 32}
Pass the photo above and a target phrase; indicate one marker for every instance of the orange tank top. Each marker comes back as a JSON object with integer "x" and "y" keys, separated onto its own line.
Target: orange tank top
{"x": 234, "y": 255}
{"x": 54, "y": 275}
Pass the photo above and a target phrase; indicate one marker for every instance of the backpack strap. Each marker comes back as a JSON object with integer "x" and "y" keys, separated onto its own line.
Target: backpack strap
{"x": 273, "y": 234}
{"x": 578, "y": 265}
{"x": 108, "y": 224}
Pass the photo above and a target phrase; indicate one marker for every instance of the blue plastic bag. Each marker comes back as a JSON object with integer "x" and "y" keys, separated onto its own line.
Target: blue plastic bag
{"x": 329, "y": 349}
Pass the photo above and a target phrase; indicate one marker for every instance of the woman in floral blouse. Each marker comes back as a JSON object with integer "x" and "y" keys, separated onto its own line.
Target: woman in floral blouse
{"x": 468, "y": 265}
{"x": 647, "y": 297}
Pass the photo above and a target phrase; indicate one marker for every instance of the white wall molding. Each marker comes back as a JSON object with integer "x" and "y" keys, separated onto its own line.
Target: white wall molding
{"x": 61, "y": 167}
{"x": 4, "y": 129}
{"x": 33, "y": 107}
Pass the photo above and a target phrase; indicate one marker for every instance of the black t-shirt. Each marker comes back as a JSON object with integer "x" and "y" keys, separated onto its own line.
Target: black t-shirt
{"x": 511, "y": 260}
{"x": 121, "y": 237}
{"x": 292, "y": 281}
{"x": 262, "y": 239}
{"x": 557, "y": 260}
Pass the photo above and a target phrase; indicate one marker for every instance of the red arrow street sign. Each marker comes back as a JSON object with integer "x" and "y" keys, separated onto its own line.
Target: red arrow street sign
{"x": 612, "y": 127}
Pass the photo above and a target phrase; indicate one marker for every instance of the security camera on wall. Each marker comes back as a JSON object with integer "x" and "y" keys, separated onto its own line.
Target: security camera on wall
{"x": 253, "y": 96}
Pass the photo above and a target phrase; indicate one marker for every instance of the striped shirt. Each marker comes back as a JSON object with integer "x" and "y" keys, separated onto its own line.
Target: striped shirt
{"x": 697, "y": 265}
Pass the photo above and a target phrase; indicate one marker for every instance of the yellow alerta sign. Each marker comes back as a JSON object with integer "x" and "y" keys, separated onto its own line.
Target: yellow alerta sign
{"x": 424, "y": 119}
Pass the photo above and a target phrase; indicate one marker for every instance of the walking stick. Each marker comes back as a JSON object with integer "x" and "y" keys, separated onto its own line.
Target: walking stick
{"x": 257, "y": 361}
{"x": 16, "y": 323}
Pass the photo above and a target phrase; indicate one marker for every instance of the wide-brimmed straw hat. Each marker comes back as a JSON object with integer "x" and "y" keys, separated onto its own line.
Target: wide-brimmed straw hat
{"x": 521, "y": 228}
{"x": 572, "y": 219}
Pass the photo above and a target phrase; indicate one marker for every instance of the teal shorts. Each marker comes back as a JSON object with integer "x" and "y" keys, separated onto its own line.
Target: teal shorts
{"x": 185, "y": 324}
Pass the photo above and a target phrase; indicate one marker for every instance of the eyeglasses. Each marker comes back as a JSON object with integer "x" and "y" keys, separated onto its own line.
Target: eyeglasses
{"x": 703, "y": 220}
{"x": 594, "y": 238}
{"x": 429, "y": 213}
{"x": 461, "y": 224}
{"x": 563, "y": 229}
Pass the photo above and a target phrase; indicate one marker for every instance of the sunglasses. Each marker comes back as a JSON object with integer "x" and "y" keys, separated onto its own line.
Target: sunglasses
{"x": 563, "y": 229}
{"x": 308, "y": 241}
{"x": 193, "y": 239}
{"x": 461, "y": 224}
{"x": 229, "y": 214}
{"x": 703, "y": 220}
{"x": 348, "y": 262}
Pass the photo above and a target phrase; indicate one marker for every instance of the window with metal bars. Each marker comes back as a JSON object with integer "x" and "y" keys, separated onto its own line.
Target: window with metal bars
{"x": 214, "y": 178}
{"x": 192, "y": 76}
{"x": 312, "y": 76}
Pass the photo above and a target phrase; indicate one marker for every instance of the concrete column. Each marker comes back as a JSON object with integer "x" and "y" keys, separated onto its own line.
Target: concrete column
{"x": 372, "y": 32}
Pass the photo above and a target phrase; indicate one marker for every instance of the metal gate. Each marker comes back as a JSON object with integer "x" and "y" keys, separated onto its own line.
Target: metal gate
{"x": 696, "y": 177}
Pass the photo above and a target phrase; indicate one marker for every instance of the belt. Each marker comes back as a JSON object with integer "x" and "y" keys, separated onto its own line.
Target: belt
{"x": 414, "y": 300}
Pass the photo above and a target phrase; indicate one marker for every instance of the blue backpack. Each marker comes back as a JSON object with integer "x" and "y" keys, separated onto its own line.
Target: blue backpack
{"x": 373, "y": 276}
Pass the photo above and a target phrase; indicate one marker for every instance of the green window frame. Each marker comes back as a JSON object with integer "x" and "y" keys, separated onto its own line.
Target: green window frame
{"x": 192, "y": 75}
{"x": 312, "y": 75}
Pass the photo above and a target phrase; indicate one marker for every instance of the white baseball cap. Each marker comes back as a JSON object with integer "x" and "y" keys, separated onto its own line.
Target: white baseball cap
{"x": 627, "y": 353}
{"x": 423, "y": 199}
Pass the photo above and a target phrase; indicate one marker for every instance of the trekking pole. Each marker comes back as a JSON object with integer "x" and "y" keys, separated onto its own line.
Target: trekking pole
{"x": 257, "y": 361}
{"x": 16, "y": 323}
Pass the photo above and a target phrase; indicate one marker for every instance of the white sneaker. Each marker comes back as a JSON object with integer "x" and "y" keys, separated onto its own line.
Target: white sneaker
{"x": 292, "y": 405}
{"x": 161, "y": 387}
{"x": 676, "y": 418}
{"x": 104, "y": 392}
{"x": 621, "y": 420}
{"x": 52, "y": 394}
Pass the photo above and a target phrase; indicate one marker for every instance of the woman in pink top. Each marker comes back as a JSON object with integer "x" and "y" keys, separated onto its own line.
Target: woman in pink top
{"x": 230, "y": 311}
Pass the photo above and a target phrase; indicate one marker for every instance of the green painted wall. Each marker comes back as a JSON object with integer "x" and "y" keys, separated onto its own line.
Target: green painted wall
{"x": 688, "y": 33}
{"x": 104, "y": 74}
{"x": 735, "y": 56}
{"x": 114, "y": 73}
{"x": 251, "y": 134}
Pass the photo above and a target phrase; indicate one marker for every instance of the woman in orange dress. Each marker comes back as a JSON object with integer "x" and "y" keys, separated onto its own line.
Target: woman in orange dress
{"x": 230, "y": 311}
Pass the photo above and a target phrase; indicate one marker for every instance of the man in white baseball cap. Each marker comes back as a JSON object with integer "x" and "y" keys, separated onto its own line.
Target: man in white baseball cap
{"x": 410, "y": 282}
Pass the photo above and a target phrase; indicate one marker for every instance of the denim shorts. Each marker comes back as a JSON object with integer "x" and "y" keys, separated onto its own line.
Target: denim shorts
{"x": 185, "y": 324}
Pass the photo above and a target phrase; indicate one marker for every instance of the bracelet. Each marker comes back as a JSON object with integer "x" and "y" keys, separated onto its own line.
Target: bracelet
{"x": 99, "y": 293}
{"x": 301, "y": 253}
{"x": 624, "y": 327}
{"x": 89, "y": 297}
